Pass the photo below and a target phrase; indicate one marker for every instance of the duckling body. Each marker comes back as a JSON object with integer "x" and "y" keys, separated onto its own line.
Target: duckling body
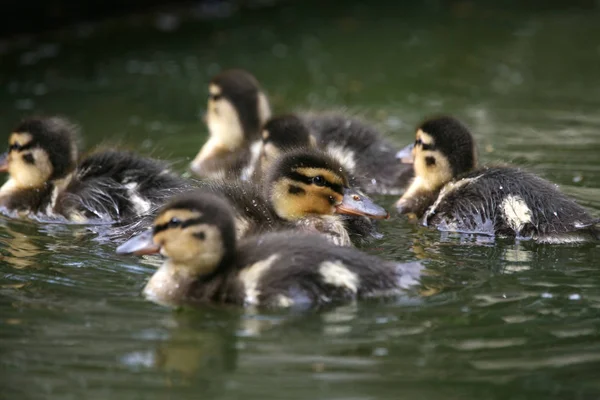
{"x": 451, "y": 194}
{"x": 510, "y": 202}
{"x": 47, "y": 181}
{"x": 196, "y": 232}
{"x": 117, "y": 185}
{"x": 306, "y": 190}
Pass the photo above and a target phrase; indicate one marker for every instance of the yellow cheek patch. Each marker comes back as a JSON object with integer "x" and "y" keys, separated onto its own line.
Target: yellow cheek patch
{"x": 182, "y": 215}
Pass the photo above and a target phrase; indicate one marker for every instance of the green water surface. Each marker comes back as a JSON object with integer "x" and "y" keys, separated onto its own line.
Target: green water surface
{"x": 493, "y": 319}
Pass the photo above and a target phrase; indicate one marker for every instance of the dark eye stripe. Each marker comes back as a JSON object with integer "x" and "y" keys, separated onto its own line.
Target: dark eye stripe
{"x": 309, "y": 181}
{"x": 424, "y": 146}
{"x": 184, "y": 224}
{"x": 19, "y": 147}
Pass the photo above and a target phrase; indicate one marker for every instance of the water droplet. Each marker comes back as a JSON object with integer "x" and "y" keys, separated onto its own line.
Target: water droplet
{"x": 380, "y": 352}
{"x": 546, "y": 295}
{"x": 574, "y": 296}
{"x": 501, "y": 187}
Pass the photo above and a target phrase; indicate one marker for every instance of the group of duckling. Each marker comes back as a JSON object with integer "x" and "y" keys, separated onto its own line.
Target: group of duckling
{"x": 281, "y": 200}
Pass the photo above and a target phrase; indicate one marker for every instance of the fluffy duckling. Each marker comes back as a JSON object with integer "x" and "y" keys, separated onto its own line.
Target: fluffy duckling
{"x": 237, "y": 108}
{"x": 206, "y": 264}
{"x": 234, "y": 143}
{"x": 45, "y": 179}
{"x": 306, "y": 189}
{"x": 449, "y": 192}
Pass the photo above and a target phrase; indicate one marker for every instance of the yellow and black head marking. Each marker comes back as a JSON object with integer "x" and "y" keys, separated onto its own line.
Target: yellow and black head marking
{"x": 237, "y": 108}
{"x": 305, "y": 182}
{"x": 443, "y": 149}
{"x": 195, "y": 232}
{"x": 283, "y": 133}
{"x": 40, "y": 149}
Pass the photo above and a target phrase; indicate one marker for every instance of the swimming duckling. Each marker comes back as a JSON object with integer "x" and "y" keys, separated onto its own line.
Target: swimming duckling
{"x": 450, "y": 193}
{"x": 234, "y": 143}
{"x": 306, "y": 189}
{"x": 237, "y": 108}
{"x": 206, "y": 264}
{"x": 45, "y": 179}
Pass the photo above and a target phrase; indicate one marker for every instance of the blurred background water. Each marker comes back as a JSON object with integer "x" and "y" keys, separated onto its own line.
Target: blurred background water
{"x": 493, "y": 319}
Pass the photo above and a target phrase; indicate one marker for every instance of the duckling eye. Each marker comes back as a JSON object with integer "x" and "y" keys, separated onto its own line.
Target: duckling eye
{"x": 319, "y": 180}
{"x": 418, "y": 142}
{"x": 15, "y": 146}
{"x": 174, "y": 222}
{"x": 356, "y": 197}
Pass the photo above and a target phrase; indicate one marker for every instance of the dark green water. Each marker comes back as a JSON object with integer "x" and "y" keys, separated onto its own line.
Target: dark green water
{"x": 493, "y": 319}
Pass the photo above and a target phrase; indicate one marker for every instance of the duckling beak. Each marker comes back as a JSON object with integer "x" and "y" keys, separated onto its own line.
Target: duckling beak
{"x": 139, "y": 245}
{"x": 4, "y": 162}
{"x": 356, "y": 203}
{"x": 405, "y": 155}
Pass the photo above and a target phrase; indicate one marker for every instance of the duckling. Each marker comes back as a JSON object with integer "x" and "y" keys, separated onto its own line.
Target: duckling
{"x": 449, "y": 192}
{"x": 206, "y": 264}
{"x": 46, "y": 180}
{"x": 237, "y": 108}
{"x": 234, "y": 144}
{"x": 306, "y": 189}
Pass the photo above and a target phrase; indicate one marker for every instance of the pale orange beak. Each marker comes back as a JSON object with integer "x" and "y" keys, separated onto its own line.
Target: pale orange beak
{"x": 4, "y": 162}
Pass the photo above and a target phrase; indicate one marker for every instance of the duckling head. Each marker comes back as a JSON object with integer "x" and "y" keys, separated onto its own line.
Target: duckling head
{"x": 237, "y": 108}
{"x": 308, "y": 182}
{"x": 40, "y": 149}
{"x": 443, "y": 149}
{"x": 280, "y": 134}
{"x": 195, "y": 231}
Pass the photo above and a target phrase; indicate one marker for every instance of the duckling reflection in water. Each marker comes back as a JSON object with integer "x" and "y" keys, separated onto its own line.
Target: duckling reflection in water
{"x": 46, "y": 179}
{"x": 205, "y": 263}
{"x": 305, "y": 189}
{"x": 237, "y": 112}
{"x": 449, "y": 192}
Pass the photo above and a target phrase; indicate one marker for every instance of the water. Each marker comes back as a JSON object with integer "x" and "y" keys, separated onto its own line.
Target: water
{"x": 493, "y": 319}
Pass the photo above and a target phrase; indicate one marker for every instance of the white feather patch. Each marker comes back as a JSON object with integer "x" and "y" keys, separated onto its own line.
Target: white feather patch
{"x": 337, "y": 274}
{"x": 140, "y": 204}
{"x": 250, "y": 277}
{"x": 516, "y": 212}
{"x": 249, "y": 169}
{"x": 343, "y": 156}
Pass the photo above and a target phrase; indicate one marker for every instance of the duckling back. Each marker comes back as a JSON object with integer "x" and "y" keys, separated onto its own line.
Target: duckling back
{"x": 510, "y": 202}
{"x": 367, "y": 155}
{"x": 117, "y": 185}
